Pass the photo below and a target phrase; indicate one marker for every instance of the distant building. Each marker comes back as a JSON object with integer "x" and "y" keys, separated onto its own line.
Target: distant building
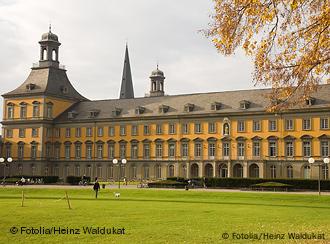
{"x": 51, "y": 129}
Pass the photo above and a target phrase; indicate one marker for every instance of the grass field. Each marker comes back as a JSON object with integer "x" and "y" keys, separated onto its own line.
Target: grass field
{"x": 161, "y": 216}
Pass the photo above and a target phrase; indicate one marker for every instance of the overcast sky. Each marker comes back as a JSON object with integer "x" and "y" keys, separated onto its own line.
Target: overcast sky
{"x": 93, "y": 36}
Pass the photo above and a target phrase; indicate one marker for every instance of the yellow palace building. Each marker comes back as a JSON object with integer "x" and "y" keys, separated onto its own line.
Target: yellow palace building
{"x": 49, "y": 129}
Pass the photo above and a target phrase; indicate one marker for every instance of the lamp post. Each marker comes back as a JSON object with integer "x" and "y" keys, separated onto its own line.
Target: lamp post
{"x": 3, "y": 161}
{"x": 119, "y": 162}
{"x": 326, "y": 161}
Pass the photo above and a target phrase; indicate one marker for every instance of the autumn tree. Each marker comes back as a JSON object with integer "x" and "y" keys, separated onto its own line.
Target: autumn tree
{"x": 289, "y": 41}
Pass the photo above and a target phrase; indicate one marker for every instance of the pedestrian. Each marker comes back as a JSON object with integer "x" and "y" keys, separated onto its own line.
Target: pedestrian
{"x": 96, "y": 187}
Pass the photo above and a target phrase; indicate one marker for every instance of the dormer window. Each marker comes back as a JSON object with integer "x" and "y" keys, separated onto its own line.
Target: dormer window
{"x": 94, "y": 113}
{"x": 310, "y": 101}
{"x": 116, "y": 112}
{"x": 72, "y": 114}
{"x": 215, "y": 106}
{"x": 30, "y": 86}
{"x": 64, "y": 89}
{"x": 163, "y": 108}
{"x": 189, "y": 107}
{"x": 244, "y": 104}
{"x": 139, "y": 110}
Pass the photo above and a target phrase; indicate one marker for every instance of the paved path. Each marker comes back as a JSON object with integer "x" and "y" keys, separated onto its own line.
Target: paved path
{"x": 157, "y": 189}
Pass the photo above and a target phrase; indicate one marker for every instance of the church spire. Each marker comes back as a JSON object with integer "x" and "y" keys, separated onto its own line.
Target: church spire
{"x": 126, "y": 90}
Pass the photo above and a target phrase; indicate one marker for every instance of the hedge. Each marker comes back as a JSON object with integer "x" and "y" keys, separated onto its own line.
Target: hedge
{"x": 167, "y": 184}
{"x": 299, "y": 184}
{"x": 74, "y": 180}
{"x": 45, "y": 179}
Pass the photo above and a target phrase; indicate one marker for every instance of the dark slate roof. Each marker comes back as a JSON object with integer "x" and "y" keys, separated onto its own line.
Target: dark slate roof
{"x": 47, "y": 81}
{"x": 229, "y": 100}
{"x": 126, "y": 90}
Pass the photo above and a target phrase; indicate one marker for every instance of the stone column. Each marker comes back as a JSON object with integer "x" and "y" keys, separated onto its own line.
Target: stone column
{"x": 229, "y": 169}
{"x": 245, "y": 169}
{"x": 188, "y": 169}
{"x": 200, "y": 169}
{"x": 214, "y": 169}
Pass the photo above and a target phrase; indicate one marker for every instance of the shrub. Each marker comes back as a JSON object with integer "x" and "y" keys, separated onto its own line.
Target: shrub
{"x": 167, "y": 184}
{"x": 74, "y": 180}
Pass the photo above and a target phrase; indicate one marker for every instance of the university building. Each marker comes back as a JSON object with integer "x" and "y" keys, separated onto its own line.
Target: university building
{"x": 49, "y": 128}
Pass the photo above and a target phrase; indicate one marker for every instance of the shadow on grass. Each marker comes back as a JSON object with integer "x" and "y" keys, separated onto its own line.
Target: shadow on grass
{"x": 171, "y": 201}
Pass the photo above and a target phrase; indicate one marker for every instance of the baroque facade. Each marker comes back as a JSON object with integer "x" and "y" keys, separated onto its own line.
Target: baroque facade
{"x": 51, "y": 129}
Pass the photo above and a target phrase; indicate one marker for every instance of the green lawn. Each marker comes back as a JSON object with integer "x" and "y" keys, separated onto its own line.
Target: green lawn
{"x": 161, "y": 216}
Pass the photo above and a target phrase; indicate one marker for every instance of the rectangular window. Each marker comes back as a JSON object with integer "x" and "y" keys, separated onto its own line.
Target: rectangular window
{"x": 306, "y": 124}
{"x": 306, "y": 148}
{"x": 57, "y": 151}
{"x": 212, "y": 127}
{"x": 20, "y": 153}
{"x": 99, "y": 151}
{"x": 324, "y": 123}
{"x": 184, "y": 149}
{"x": 122, "y": 150}
{"x": 289, "y": 124}
{"x": 272, "y": 125}
{"x": 111, "y": 131}
{"x": 49, "y": 110}
{"x": 226, "y": 149}
{"x": 289, "y": 150}
{"x": 35, "y": 112}
{"x": 67, "y": 132}
{"x": 89, "y": 132}
{"x": 34, "y": 132}
{"x": 111, "y": 150}
{"x": 10, "y": 112}
{"x": 78, "y": 151}
{"x": 256, "y": 125}
{"x": 21, "y": 132}
{"x": 134, "y": 151}
{"x": 159, "y": 129}
{"x": 123, "y": 130}
{"x": 99, "y": 131}
{"x": 48, "y": 132}
{"x": 171, "y": 150}
{"x": 324, "y": 148}
{"x": 198, "y": 128}
{"x": 23, "y": 112}
{"x": 57, "y": 132}
{"x": 171, "y": 128}
{"x": 211, "y": 150}
{"x": 241, "y": 126}
{"x": 33, "y": 151}
{"x": 146, "y": 150}
{"x": 198, "y": 149}
{"x": 272, "y": 149}
{"x": 241, "y": 149}
{"x": 185, "y": 128}
{"x": 67, "y": 151}
{"x": 78, "y": 132}
{"x": 146, "y": 130}
{"x": 134, "y": 130}
{"x": 159, "y": 150}
{"x": 89, "y": 151}
{"x": 256, "y": 149}
{"x": 9, "y": 133}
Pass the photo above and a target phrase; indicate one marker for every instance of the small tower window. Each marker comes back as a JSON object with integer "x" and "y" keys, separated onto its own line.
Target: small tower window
{"x": 154, "y": 86}
{"x": 44, "y": 54}
{"x": 54, "y": 55}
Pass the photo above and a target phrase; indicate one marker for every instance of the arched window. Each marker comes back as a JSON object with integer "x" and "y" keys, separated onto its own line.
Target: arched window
{"x": 133, "y": 172}
{"x": 307, "y": 172}
{"x": 254, "y": 171}
{"x": 110, "y": 172}
{"x": 289, "y": 171}
{"x": 209, "y": 170}
{"x": 273, "y": 171}
{"x": 158, "y": 169}
{"x": 146, "y": 172}
{"x": 154, "y": 86}
{"x": 171, "y": 171}
{"x": 194, "y": 171}
{"x": 223, "y": 171}
{"x": 238, "y": 170}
